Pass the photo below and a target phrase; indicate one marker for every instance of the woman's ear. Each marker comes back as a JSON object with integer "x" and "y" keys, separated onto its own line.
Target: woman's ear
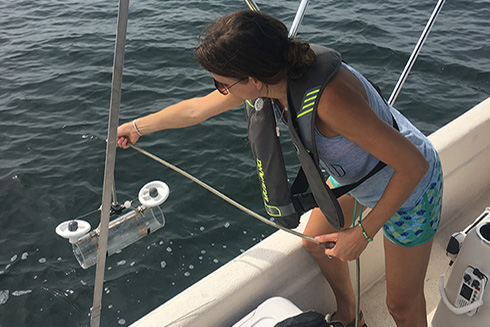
{"x": 258, "y": 84}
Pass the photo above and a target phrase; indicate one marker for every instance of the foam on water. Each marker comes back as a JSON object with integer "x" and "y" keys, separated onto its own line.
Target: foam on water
{"x": 4, "y": 296}
{"x": 20, "y": 293}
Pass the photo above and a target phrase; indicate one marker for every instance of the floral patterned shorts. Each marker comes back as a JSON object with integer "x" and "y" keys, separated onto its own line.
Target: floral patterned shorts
{"x": 419, "y": 224}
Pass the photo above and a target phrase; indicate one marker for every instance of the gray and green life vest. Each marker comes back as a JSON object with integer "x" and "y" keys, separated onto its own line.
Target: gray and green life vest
{"x": 284, "y": 203}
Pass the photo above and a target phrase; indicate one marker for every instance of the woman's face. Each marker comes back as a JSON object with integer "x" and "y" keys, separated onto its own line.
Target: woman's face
{"x": 240, "y": 88}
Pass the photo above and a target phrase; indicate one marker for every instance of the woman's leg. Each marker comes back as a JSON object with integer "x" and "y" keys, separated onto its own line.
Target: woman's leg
{"x": 406, "y": 266}
{"x": 335, "y": 271}
{"x": 405, "y": 274}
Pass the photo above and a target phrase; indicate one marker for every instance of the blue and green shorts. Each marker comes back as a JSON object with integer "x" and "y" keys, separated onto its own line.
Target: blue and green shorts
{"x": 417, "y": 225}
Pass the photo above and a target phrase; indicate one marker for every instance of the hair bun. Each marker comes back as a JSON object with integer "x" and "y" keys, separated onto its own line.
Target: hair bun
{"x": 299, "y": 58}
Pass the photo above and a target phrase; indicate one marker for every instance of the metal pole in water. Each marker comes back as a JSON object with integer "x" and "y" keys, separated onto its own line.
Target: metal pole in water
{"x": 252, "y": 5}
{"x": 122, "y": 23}
{"x": 298, "y": 18}
{"x": 415, "y": 52}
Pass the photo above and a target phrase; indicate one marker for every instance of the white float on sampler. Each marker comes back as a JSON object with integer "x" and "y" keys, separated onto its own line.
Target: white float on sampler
{"x": 124, "y": 230}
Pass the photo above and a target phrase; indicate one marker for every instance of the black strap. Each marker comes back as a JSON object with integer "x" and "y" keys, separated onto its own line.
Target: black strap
{"x": 341, "y": 190}
{"x": 300, "y": 184}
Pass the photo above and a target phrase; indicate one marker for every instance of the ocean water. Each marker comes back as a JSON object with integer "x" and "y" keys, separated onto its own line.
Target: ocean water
{"x": 55, "y": 78}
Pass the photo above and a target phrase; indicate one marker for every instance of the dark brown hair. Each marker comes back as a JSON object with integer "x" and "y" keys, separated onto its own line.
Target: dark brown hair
{"x": 248, "y": 43}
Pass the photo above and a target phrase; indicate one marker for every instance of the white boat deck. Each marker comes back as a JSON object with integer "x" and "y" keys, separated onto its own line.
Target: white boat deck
{"x": 279, "y": 266}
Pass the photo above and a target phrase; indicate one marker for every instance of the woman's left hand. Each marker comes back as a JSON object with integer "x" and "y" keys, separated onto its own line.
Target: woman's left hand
{"x": 349, "y": 243}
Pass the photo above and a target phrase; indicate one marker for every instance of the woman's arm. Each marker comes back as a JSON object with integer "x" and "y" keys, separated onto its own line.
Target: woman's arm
{"x": 183, "y": 114}
{"x": 344, "y": 110}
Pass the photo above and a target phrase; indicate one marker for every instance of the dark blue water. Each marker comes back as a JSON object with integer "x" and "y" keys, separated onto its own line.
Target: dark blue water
{"x": 55, "y": 78}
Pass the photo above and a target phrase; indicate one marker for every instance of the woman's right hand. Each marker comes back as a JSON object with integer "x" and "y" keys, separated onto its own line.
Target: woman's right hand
{"x": 126, "y": 134}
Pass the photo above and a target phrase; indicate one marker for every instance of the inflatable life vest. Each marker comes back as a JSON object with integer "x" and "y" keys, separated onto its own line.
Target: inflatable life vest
{"x": 284, "y": 203}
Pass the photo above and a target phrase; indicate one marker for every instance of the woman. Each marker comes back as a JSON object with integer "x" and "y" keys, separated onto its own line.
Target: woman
{"x": 250, "y": 55}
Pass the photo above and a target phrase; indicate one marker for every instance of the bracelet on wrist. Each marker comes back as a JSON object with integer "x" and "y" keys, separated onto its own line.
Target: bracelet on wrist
{"x": 136, "y": 128}
{"x": 364, "y": 232}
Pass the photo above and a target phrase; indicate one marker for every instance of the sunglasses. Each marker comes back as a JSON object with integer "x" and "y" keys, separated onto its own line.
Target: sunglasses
{"x": 223, "y": 88}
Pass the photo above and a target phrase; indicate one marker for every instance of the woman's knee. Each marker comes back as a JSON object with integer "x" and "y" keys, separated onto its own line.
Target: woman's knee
{"x": 317, "y": 225}
{"x": 404, "y": 309}
{"x": 398, "y": 308}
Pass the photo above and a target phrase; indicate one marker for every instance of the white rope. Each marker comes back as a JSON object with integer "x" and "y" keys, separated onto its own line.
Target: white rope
{"x": 222, "y": 196}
